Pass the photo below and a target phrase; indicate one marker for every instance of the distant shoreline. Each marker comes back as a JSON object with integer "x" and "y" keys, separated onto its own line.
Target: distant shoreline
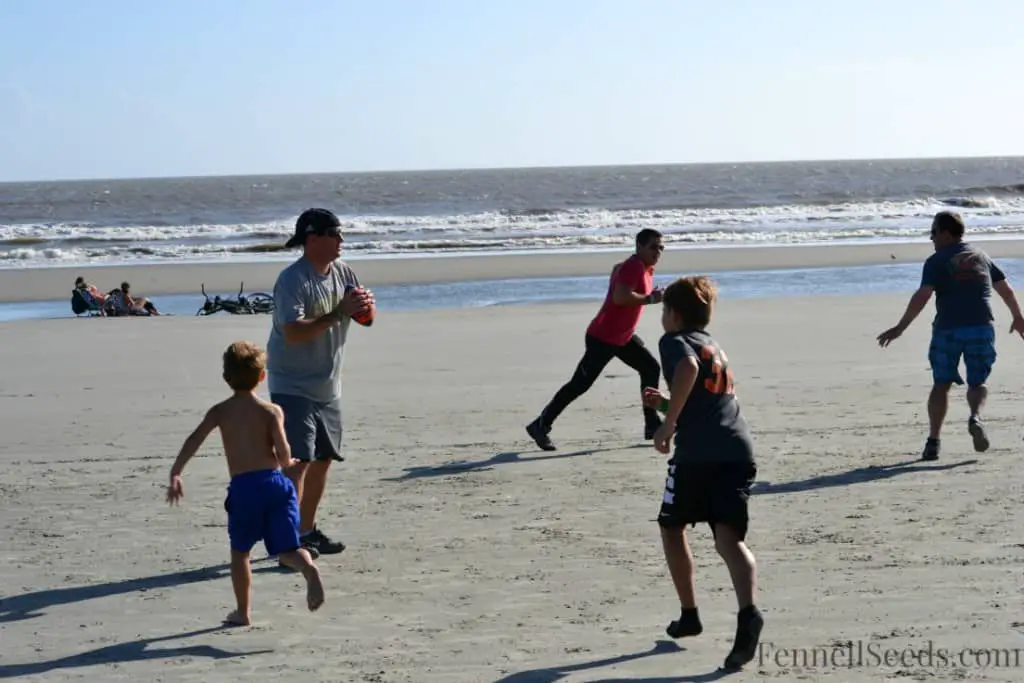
{"x": 470, "y": 169}
{"x": 47, "y": 283}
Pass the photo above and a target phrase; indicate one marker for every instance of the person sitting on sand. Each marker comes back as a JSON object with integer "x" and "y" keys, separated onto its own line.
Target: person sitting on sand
{"x": 90, "y": 292}
{"x": 123, "y": 303}
{"x": 261, "y": 501}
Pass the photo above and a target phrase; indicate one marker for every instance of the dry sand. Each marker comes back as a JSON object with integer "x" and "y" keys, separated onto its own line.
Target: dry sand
{"x": 472, "y": 556}
{"x": 35, "y": 284}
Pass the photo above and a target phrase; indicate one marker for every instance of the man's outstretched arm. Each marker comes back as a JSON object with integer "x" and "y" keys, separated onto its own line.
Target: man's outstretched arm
{"x": 1009, "y": 297}
{"x": 916, "y": 304}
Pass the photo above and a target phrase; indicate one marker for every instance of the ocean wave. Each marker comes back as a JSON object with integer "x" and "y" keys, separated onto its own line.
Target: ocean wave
{"x": 541, "y": 221}
{"x": 1010, "y": 190}
{"x": 533, "y": 229}
{"x": 27, "y": 255}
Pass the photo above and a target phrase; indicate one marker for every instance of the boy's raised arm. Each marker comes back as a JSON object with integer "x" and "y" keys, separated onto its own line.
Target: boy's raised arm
{"x": 188, "y": 449}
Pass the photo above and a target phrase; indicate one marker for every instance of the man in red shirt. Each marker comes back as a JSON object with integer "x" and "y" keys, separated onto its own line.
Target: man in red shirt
{"x": 612, "y": 334}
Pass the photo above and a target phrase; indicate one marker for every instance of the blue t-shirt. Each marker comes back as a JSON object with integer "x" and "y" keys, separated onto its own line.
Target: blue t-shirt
{"x": 962, "y": 276}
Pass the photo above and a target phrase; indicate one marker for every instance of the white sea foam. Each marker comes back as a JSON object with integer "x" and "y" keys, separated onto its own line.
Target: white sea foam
{"x": 38, "y": 243}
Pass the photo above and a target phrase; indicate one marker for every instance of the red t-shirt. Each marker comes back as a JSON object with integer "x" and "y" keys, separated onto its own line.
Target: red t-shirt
{"x": 616, "y": 324}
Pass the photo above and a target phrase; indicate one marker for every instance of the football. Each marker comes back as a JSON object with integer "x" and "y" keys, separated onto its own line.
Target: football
{"x": 366, "y": 318}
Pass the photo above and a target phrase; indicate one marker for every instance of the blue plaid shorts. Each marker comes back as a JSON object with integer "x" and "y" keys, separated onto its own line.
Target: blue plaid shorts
{"x": 977, "y": 345}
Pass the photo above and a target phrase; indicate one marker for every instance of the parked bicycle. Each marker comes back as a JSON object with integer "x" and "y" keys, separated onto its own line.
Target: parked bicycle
{"x": 255, "y": 303}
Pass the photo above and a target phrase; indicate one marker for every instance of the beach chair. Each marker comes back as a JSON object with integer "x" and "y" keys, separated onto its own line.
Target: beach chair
{"x": 82, "y": 303}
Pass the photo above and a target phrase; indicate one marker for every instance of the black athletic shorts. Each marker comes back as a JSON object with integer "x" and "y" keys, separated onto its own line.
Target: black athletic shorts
{"x": 715, "y": 493}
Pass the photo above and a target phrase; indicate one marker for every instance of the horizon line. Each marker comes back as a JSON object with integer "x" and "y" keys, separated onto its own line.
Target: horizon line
{"x": 459, "y": 169}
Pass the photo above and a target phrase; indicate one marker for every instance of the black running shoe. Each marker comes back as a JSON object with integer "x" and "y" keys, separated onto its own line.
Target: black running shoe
{"x": 931, "y": 449}
{"x": 688, "y": 624}
{"x": 539, "y": 434}
{"x": 977, "y": 432}
{"x": 748, "y": 633}
{"x": 323, "y": 545}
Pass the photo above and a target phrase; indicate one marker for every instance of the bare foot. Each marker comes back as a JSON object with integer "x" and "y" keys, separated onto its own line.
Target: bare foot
{"x": 236, "y": 618}
{"x": 314, "y": 589}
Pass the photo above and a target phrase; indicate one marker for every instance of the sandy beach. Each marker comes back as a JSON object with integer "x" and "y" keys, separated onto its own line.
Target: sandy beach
{"x": 36, "y": 284}
{"x": 474, "y": 557}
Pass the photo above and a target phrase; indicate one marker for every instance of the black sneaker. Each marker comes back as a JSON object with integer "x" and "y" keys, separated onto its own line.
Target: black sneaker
{"x": 688, "y": 624}
{"x": 748, "y": 633}
{"x": 323, "y": 545}
{"x": 931, "y": 449}
{"x": 977, "y": 431}
{"x": 539, "y": 434}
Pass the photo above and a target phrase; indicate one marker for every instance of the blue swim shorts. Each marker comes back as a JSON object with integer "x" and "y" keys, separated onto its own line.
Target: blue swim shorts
{"x": 263, "y": 505}
{"x": 977, "y": 345}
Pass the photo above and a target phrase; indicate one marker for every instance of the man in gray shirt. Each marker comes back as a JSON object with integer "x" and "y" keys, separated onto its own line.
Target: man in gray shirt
{"x": 315, "y": 300}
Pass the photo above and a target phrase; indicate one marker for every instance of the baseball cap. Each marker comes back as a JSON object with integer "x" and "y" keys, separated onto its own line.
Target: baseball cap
{"x": 314, "y": 222}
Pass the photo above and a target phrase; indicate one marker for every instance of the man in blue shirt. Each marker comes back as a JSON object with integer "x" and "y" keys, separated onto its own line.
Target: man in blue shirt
{"x": 962, "y": 278}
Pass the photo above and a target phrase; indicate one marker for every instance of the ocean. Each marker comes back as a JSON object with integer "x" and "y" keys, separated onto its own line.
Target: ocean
{"x": 248, "y": 218}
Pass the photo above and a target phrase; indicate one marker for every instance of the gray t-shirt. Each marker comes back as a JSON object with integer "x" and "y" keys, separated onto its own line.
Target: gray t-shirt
{"x": 962, "y": 276}
{"x": 311, "y": 369}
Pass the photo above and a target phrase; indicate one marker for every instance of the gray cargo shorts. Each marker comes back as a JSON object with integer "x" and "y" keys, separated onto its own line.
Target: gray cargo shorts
{"x": 313, "y": 428}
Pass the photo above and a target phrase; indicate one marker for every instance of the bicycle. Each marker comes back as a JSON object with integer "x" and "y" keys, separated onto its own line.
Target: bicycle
{"x": 254, "y": 304}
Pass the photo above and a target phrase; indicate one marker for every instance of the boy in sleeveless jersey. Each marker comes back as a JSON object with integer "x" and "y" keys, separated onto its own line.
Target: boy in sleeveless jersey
{"x": 712, "y": 467}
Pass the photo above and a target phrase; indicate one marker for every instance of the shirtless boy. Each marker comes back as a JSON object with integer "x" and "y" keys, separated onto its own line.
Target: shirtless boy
{"x": 261, "y": 501}
{"x": 712, "y": 467}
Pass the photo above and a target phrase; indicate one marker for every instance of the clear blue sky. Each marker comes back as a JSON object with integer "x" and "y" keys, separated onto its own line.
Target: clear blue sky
{"x": 122, "y": 88}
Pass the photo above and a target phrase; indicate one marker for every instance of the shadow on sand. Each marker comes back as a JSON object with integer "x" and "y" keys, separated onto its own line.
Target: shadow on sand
{"x": 661, "y": 647}
{"x": 31, "y": 605}
{"x": 860, "y": 475}
{"x": 123, "y": 653}
{"x": 506, "y": 458}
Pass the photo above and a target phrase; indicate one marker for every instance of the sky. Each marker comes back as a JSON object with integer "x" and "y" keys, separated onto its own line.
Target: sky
{"x": 123, "y": 88}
